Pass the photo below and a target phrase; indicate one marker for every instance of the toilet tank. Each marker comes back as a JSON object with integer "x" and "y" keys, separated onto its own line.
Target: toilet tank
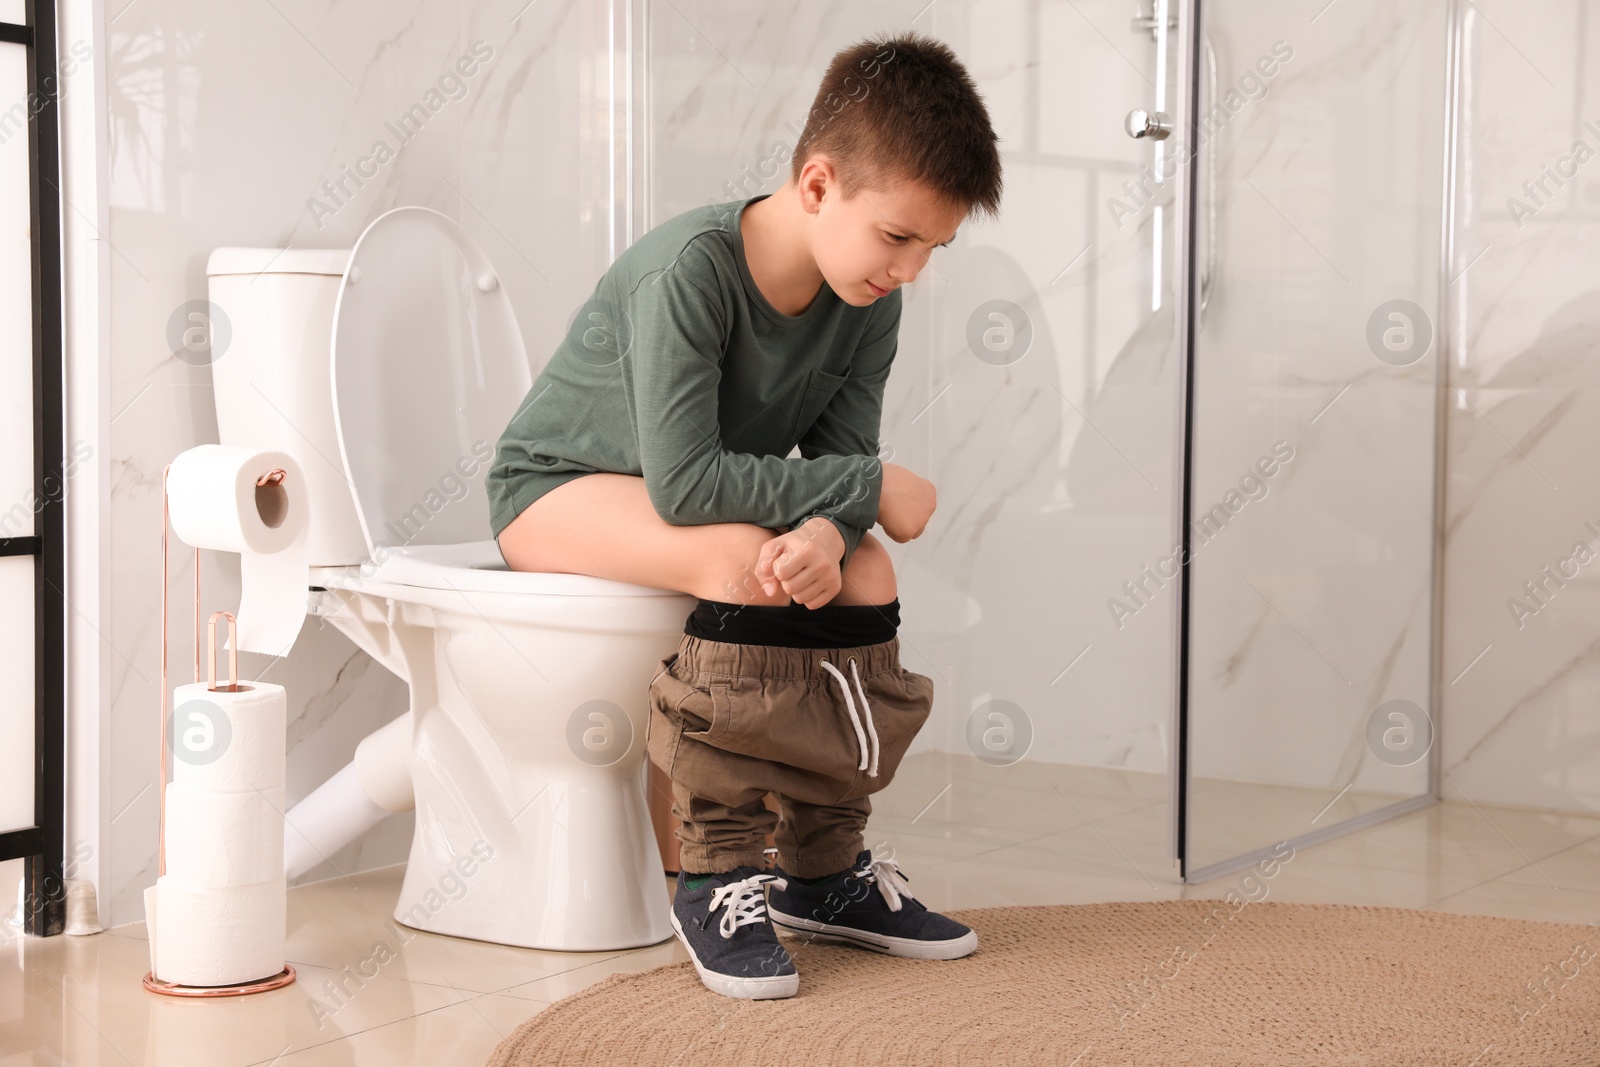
{"x": 272, "y": 329}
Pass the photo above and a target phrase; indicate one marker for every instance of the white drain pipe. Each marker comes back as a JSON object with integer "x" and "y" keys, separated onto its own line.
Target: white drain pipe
{"x": 362, "y": 794}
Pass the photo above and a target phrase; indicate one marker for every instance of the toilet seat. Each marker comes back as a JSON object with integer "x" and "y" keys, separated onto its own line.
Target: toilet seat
{"x": 472, "y": 567}
{"x": 428, "y": 367}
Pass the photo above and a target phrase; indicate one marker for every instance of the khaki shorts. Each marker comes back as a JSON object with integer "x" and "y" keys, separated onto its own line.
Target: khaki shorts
{"x": 730, "y": 723}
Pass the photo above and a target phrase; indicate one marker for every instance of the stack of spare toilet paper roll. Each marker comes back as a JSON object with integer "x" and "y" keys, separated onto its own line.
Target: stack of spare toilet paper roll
{"x": 217, "y": 916}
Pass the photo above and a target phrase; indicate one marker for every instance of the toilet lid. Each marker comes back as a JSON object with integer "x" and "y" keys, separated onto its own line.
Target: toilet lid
{"x": 428, "y": 369}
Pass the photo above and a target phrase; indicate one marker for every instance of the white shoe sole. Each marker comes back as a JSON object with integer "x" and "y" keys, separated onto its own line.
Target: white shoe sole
{"x": 767, "y": 987}
{"x": 906, "y": 947}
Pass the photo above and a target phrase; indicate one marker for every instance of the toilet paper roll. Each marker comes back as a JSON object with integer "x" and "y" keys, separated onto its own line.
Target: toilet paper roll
{"x": 214, "y": 502}
{"x": 228, "y": 742}
{"x": 222, "y": 936}
{"x": 215, "y": 840}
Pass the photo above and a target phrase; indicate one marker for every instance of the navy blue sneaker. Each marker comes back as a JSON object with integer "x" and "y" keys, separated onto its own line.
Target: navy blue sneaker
{"x": 868, "y": 905}
{"x": 724, "y": 925}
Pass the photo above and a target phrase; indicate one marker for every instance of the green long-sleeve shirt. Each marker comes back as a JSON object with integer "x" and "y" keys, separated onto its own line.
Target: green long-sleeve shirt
{"x": 679, "y": 370}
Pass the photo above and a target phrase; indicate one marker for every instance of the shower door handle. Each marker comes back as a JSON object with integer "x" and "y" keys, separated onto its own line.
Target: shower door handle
{"x": 1141, "y": 123}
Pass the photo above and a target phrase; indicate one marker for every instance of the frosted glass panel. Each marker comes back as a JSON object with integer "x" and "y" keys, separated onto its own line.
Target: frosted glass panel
{"x": 16, "y": 302}
{"x": 16, "y": 696}
{"x": 13, "y": 11}
{"x": 1315, "y": 389}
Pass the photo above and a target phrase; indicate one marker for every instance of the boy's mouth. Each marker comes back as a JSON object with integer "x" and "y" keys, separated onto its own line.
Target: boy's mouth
{"x": 877, "y": 291}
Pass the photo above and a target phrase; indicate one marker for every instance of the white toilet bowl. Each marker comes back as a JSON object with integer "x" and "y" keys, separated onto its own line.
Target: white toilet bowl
{"x": 385, "y": 372}
{"x": 528, "y": 724}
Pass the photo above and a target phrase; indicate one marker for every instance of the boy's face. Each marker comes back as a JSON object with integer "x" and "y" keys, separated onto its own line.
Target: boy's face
{"x": 876, "y": 241}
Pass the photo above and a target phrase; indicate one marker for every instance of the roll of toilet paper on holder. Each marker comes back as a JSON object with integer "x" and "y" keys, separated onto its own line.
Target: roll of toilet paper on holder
{"x": 225, "y": 742}
{"x": 214, "y": 502}
{"x": 217, "y": 915}
{"x": 215, "y": 840}
{"x": 216, "y": 936}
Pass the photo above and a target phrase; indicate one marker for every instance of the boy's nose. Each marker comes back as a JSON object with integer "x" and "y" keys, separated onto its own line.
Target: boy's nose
{"x": 908, "y": 264}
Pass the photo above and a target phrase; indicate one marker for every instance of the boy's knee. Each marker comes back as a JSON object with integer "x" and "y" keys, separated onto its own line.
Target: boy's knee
{"x": 870, "y": 577}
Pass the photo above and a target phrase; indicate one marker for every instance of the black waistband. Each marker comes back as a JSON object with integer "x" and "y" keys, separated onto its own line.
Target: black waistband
{"x": 794, "y": 625}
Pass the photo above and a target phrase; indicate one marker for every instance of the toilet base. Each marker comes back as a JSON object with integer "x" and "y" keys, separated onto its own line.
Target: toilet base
{"x": 528, "y": 765}
{"x": 573, "y": 867}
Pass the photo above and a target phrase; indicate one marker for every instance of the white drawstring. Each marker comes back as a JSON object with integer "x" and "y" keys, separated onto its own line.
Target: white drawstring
{"x": 872, "y": 730}
{"x": 855, "y": 720}
{"x": 885, "y": 873}
{"x": 746, "y": 900}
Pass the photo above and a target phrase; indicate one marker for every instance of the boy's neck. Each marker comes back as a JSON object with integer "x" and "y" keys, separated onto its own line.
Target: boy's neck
{"x": 778, "y": 253}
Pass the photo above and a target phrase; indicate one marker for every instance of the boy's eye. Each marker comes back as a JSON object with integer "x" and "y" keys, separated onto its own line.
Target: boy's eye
{"x": 898, "y": 237}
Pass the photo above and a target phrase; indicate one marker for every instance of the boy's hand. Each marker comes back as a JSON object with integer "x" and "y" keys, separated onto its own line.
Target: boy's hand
{"x": 804, "y": 562}
{"x": 905, "y": 503}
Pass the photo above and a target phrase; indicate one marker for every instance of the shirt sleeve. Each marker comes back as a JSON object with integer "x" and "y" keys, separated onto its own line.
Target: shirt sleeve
{"x": 849, "y": 424}
{"x": 673, "y": 339}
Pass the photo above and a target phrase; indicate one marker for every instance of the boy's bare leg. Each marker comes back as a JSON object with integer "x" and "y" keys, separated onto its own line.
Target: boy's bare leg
{"x": 604, "y": 525}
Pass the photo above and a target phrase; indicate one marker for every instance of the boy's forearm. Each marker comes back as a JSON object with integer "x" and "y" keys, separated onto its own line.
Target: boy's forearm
{"x": 841, "y": 535}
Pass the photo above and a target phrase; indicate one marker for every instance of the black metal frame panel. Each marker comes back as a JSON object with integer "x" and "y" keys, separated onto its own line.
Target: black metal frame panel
{"x": 42, "y": 844}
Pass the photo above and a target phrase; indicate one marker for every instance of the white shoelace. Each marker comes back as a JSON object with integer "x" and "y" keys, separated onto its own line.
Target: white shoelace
{"x": 870, "y": 766}
{"x": 885, "y": 873}
{"x": 746, "y": 901}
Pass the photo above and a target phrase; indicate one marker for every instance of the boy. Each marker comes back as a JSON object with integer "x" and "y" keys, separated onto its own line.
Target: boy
{"x": 652, "y": 448}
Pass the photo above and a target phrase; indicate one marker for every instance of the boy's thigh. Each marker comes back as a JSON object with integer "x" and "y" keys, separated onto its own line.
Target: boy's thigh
{"x": 604, "y": 525}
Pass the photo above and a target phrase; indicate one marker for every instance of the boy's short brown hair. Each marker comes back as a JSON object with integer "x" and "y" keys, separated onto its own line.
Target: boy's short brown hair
{"x": 903, "y": 107}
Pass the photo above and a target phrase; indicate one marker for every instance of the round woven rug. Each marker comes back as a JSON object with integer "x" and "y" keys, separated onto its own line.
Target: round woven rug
{"x": 1196, "y": 982}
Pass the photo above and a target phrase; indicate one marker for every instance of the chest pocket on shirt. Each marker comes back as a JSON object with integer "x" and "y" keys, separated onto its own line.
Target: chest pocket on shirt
{"x": 819, "y": 390}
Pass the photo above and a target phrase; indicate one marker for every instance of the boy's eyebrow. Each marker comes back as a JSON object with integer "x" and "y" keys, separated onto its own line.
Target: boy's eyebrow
{"x": 906, "y": 231}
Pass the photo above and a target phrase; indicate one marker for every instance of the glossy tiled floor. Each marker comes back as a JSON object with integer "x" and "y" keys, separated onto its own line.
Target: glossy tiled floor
{"x": 969, "y": 835}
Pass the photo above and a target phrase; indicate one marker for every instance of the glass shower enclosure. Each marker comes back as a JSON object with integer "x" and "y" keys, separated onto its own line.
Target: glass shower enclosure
{"x": 1181, "y": 403}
